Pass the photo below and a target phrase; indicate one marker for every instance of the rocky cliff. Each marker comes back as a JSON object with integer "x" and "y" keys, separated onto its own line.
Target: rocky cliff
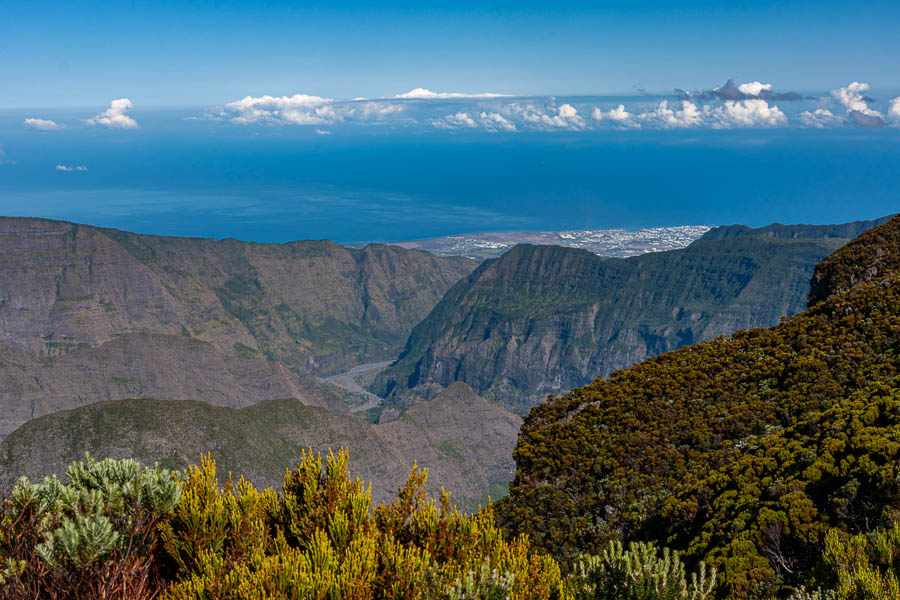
{"x": 313, "y": 306}
{"x": 543, "y": 319}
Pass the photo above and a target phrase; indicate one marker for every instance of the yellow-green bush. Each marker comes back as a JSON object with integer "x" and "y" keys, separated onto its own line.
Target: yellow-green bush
{"x": 863, "y": 566}
{"x": 321, "y": 539}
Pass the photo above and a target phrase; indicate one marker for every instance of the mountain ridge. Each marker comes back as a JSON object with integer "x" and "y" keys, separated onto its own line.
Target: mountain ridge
{"x": 543, "y": 319}
{"x": 314, "y": 306}
{"x": 465, "y": 441}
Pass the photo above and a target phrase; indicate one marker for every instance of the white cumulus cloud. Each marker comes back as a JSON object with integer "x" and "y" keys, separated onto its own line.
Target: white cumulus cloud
{"x": 894, "y": 110}
{"x": 745, "y": 113}
{"x": 456, "y": 121}
{"x": 619, "y": 116}
{"x": 663, "y": 116}
{"x": 425, "y": 94}
{"x": 68, "y": 169}
{"x": 491, "y": 122}
{"x": 114, "y": 117}
{"x": 299, "y": 109}
{"x": 819, "y": 118}
{"x": 853, "y": 98}
{"x": 754, "y": 88}
{"x": 42, "y": 124}
{"x": 564, "y": 117}
{"x": 496, "y": 122}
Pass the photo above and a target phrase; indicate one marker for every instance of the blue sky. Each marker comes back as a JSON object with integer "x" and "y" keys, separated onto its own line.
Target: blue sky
{"x": 167, "y": 54}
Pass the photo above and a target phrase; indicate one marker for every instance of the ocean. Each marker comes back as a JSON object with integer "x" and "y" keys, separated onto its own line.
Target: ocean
{"x": 179, "y": 176}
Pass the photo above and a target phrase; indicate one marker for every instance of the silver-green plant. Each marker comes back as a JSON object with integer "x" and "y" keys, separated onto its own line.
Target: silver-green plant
{"x": 107, "y": 505}
{"x": 641, "y": 572}
{"x": 803, "y": 594}
{"x": 485, "y": 584}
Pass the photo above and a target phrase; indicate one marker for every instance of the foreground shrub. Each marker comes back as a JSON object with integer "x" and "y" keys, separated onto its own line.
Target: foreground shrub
{"x": 94, "y": 537}
{"x": 321, "y": 539}
{"x": 639, "y": 573}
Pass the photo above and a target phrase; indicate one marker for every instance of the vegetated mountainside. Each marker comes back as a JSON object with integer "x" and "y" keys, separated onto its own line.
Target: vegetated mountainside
{"x": 143, "y": 365}
{"x": 860, "y": 261}
{"x": 465, "y": 442}
{"x": 542, "y": 319}
{"x": 314, "y": 306}
{"x": 743, "y": 451}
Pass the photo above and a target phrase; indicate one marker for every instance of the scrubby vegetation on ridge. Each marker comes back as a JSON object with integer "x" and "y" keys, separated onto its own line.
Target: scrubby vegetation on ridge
{"x": 117, "y": 530}
{"x": 873, "y": 254}
{"x": 749, "y": 452}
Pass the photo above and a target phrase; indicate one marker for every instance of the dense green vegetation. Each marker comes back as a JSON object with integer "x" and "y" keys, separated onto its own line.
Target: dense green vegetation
{"x": 749, "y": 452}
{"x": 118, "y": 530}
{"x": 864, "y": 259}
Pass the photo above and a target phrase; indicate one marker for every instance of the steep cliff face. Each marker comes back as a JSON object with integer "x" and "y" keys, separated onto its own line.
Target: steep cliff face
{"x": 464, "y": 441}
{"x": 313, "y": 306}
{"x": 544, "y": 319}
{"x": 142, "y": 365}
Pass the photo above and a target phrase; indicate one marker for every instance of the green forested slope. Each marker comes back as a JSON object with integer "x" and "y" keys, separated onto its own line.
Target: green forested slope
{"x": 740, "y": 450}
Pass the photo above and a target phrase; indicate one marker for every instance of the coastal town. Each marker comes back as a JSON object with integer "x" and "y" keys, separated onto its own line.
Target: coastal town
{"x": 604, "y": 242}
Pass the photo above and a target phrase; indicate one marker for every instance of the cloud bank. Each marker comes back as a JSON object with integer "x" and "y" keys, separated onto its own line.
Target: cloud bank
{"x": 820, "y": 118}
{"x": 114, "y": 117}
{"x": 547, "y": 118}
{"x": 68, "y": 169}
{"x": 688, "y": 114}
{"x": 42, "y": 124}
{"x": 745, "y": 105}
